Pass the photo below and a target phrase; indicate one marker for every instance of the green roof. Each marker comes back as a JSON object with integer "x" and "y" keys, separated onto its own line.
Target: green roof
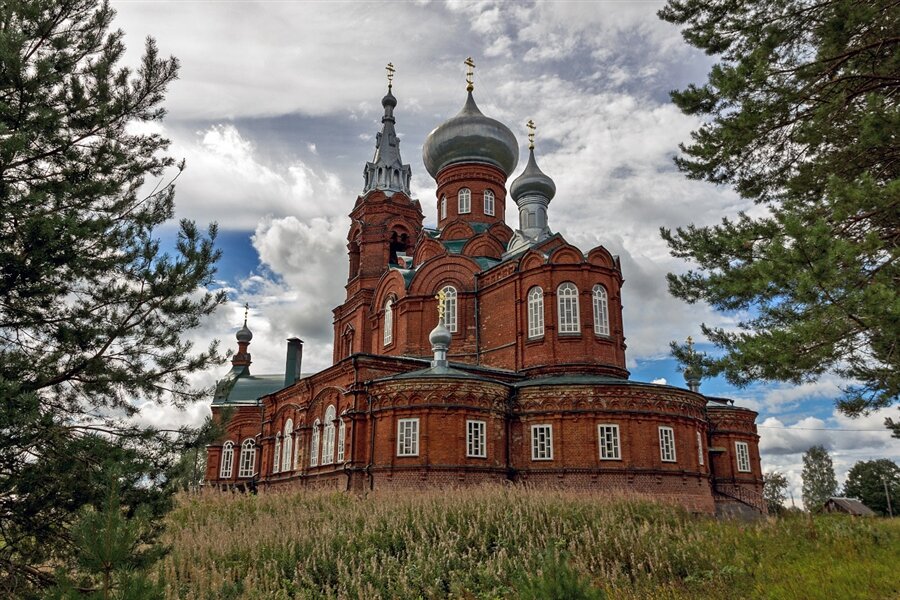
{"x": 240, "y": 387}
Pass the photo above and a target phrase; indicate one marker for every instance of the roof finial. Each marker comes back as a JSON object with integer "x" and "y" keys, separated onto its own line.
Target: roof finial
{"x": 531, "y": 127}
{"x": 470, "y": 74}
{"x": 390, "y": 74}
{"x": 442, "y": 299}
{"x": 440, "y": 336}
{"x": 246, "y": 310}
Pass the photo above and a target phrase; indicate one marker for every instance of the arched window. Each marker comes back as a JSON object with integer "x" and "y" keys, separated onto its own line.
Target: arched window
{"x": 328, "y": 442}
{"x": 288, "y": 451}
{"x": 601, "y": 310}
{"x": 443, "y": 207}
{"x": 314, "y": 445}
{"x": 298, "y": 445}
{"x": 248, "y": 458}
{"x": 465, "y": 201}
{"x": 389, "y": 321}
{"x": 276, "y": 455}
{"x": 227, "y": 460}
{"x": 567, "y": 303}
{"x": 489, "y": 202}
{"x": 535, "y": 312}
{"x": 450, "y": 307}
{"x": 342, "y": 437}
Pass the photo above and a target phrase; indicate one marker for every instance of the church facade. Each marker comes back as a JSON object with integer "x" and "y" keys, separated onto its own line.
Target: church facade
{"x": 474, "y": 352}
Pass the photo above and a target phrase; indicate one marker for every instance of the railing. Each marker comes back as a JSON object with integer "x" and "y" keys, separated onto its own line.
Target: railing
{"x": 742, "y": 494}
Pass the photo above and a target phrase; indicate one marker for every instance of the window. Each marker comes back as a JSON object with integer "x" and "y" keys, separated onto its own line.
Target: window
{"x": 601, "y": 310}
{"x": 342, "y": 436}
{"x": 541, "y": 442}
{"x": 567, "y": 298}
{"x": 408, "y": 437}
{"x": 248, "y": 458}
{"x": 388, "y": 321}
{"x": 609, "y": 442}
{"x": 314, "y": 445}
{"x": 535, "y": 312}
{"x": 328, "y": 442}
{"x": 489, "y": 203}
{"x": 450, "y": 308}
{"x": 667, "y": 444}
{"x": 700, "y": 455}
{"x": 443, "y": 207}
{"x": 476, "y": 445}
{"x": 743, "y": 456}
{"x": 276, "y": 455}
{"x": 227, "y": 460}
{"x": 288, "y": 451}
{"x": 298, "y": 446}
{"x": 465, "y": 201}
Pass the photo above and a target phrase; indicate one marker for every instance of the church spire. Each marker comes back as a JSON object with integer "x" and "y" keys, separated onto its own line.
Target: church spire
{"x": 532, "y": 191}
{"x": 243, "y": 336}
{"x": 386, "y": 171}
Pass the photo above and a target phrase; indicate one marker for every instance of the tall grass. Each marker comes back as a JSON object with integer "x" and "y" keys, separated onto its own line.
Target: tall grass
{"x": 506, "y": 543}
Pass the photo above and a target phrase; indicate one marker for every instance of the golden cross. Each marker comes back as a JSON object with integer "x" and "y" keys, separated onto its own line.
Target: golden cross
{"x": 470, "y": 74}
{"x": 390, "y": 74}
{"x": 441, "y": 298}
{"x": 690, "y": 343}
{"x": 531, "y": 127}
{"x": 246, "y": 310}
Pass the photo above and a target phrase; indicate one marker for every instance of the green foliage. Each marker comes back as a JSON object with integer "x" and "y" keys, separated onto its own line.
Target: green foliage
{"x": 557, "y": 581}
{"x": 91, "y": 312}
{"x": 819, "y": 483}
{"x": 867, "y": 481}
{"x": 800, "y": 116}
{"x": 775, "y": 486}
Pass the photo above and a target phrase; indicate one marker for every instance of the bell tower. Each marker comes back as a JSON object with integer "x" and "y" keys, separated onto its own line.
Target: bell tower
{"x": 384, "y": 225}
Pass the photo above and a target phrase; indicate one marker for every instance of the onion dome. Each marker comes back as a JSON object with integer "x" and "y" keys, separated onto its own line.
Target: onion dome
{"x": 440, "y": 335}
{"x": 244, "y": 334}
{"x": 532, "y": 182}
{"x": 470, "y": 137}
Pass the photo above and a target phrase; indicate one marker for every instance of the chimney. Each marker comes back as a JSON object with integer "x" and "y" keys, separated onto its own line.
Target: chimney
{"x": 293, "y": 361}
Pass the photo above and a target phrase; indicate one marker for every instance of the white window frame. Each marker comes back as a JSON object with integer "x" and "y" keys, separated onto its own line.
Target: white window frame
{"x": 535, "y": 313}
{"x": 276, "y": 454}
{"x": 408, "y": 437}
{"x": 667, "y": 444}
{"x": 489, "y": 202}
{"x": 314, "y": 445}
{"x": 742, "y": 450}
{"x": 443, "y": 207}
{"x": 450, "y": 306}
{"x": 287, "y": 450}
{"x": 247, "y": 464}
{"x": 567, "y": 307}
{"x": 226, "y": 467}
{"x": 328, "y": 438}
{"x": 701, "y": 458}
{"x": 601, "y": 310}
{"x": 476, "y": 439}
{"x": 609, "y": 441}
{"x": 298, "y": 446}
{"x": 342, "y": 438}
{"x": 388, "y": 336}
{"x": 542, "y": 441}
{"x": 464, "y": 197}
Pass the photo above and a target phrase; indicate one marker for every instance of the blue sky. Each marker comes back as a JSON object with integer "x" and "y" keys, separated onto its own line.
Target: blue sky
{"x": 276, "y": 110}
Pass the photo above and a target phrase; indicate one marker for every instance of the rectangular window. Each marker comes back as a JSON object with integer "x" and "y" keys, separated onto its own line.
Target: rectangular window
{"x": 541, "y": 442}
{"x": 476, "y": 439}
{"x": 342, "y": 438}
{"x": 743, "y": 456}
{"x": 700, "y": 454}
{"x": 408, "y": 437}
{"x": 609, "y": 442}
{"x": 667, "y": 444}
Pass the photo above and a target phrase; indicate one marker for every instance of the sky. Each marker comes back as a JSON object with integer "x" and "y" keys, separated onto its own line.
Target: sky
{"x": 275, "y": 113}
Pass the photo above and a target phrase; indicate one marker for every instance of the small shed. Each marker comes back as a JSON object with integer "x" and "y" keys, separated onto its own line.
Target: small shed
{"x": 849, "y": 506}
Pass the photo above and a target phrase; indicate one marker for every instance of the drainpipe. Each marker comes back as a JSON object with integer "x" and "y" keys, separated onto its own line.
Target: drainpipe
{"x": 507, "y": 425}
{"x": 371, "y": 418}
{"x": 477, "y": 327}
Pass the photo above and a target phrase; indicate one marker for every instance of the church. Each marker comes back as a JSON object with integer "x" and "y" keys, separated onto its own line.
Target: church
{"x": 477, "y": 352}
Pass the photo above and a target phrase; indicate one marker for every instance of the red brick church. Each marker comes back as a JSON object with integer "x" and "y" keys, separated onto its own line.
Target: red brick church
{"x": 521, "y": 379}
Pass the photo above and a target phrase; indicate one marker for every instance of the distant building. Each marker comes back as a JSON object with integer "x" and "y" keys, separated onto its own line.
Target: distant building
{"x": 849, "y": 506}
{"x": 522, "y": 379}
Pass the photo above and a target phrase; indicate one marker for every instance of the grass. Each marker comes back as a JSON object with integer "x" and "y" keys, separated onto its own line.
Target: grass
{"x": 513, "y": 543}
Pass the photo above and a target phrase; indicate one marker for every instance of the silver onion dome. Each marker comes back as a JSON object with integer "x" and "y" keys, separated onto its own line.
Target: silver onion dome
{"x": 244, "y": 334}
{"x": 532, "y": 181}
{"x": 470, "y": 137}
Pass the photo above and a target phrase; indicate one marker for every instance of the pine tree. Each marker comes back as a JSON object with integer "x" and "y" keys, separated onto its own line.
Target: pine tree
{"x": 867, "y": 481}
{"x": 91, "y": 311}
{"x": 801, "y": 116}
{"x": 819, "y": 483}
{"x": 775, "y": 486}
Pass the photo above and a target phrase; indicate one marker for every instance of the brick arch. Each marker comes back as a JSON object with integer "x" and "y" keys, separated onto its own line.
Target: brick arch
{"x": 391, "y": 282}
{"x": 327, "y": 395}
{"x": 456, "y": 269}
{"x": 502, "y": 232}
{"x": 601, "y": 257}
{"x": 457, "y": 230}
{"x": 567, "y": 255}
{"x": 532, "y": 259}
{"x": 426, "y": 249}
{"x": 484, "y": 244}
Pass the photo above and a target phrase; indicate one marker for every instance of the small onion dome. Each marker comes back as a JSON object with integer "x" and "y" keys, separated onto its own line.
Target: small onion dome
{"x": 532, "y": 181}
{"x": 440, "y": 336}
{"x": 470, "y": 137}
{"x": 389, "y": 100}
{"x": 244, "y": 334}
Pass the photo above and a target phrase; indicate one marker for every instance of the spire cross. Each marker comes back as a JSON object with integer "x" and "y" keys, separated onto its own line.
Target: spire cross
{"x": 531, "y": 127}
{"x": 246, "y": 310}
{"x": 470, "y": 74}
{"x": 390, "y": 74}
{"x": 441, "y": 298}
{"x": 690, "y": 344}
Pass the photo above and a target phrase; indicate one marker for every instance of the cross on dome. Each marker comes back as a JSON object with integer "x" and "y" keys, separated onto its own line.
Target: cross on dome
{"x": 470, "y": 74}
